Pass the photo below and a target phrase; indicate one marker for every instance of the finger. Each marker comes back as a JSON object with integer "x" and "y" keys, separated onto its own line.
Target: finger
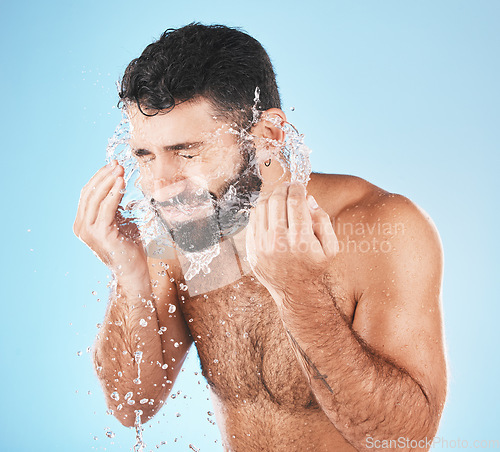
{"x": 261, "y": 217}
{"x": 99, "y": 193}
{"x": 90, "y": 188}
{"x": 250, "y": 239}
{"x": 277, "y": 209}
{"x": 109, "y": 206}
{"x": 261, "y": 225}
{"x": 251, "y": 222}
{"x": 97, "y": 178}
{"x": 299, "y": 217}
{"x": 323, "y": 228}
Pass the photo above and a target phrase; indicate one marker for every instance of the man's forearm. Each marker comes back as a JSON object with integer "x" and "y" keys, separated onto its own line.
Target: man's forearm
{"x": 128, "y": 354}
{"x": 362, "y": 393}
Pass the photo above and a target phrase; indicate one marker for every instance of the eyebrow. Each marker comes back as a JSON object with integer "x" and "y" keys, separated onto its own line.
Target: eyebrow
{"x": 175, "y": 147}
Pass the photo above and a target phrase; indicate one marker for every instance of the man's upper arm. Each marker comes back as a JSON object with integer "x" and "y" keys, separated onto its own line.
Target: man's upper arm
{"x": 399, "y": 311}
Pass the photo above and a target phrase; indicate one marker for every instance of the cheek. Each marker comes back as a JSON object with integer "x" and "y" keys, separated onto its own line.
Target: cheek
{"x": 211, "y": 172}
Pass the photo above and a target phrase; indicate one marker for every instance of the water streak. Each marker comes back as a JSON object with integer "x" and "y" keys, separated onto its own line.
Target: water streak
{"x": 139, "y": 445}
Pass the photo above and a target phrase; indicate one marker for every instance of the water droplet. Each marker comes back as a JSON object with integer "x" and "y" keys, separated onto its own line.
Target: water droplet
{"x": 143, "y": 401}
{"x": 79, "y": 353}
{"x": 116, "y": 396}
{"x": 142, "y": 322}
{"x": 110, "y": 434}
{"x": 171, "y": 308}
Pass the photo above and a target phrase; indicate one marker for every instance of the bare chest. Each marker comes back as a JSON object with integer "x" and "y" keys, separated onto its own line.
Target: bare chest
{"x": 242, "y": 345}
{"x": 243, "y": 348}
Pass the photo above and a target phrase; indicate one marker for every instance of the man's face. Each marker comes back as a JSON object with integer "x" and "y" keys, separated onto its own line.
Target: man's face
{"x": 196, "y": 171}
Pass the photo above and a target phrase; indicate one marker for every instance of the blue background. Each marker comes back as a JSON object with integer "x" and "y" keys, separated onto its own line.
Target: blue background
{"x": 404, "y": 94}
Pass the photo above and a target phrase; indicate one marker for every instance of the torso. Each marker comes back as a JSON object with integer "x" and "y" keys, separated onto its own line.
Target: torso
{"x": 261, "y": 396}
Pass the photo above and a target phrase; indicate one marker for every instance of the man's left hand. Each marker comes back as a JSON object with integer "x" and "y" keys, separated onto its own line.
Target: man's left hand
{"x": 290, "y": 240}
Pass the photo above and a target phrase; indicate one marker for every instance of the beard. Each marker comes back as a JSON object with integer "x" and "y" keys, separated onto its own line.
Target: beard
{"x": 229, "y": 211}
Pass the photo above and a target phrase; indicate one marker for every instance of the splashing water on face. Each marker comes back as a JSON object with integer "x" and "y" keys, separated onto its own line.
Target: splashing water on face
{"x": 134, "y": 206}
{"x": 140, "y": 209}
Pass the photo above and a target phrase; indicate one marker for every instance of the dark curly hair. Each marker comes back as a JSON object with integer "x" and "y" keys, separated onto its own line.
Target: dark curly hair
{"x": 222, "y": 64}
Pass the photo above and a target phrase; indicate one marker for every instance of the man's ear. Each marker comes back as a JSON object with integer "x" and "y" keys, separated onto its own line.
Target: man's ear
{"x": 270, "y": 125}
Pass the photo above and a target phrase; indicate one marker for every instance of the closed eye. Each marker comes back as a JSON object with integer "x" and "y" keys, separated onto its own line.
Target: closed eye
{"x": 141, "y": 152}
{"x": 186, "y": 156}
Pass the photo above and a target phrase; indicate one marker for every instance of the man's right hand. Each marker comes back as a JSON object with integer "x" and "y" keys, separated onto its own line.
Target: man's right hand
{"x": 100, "y": 226}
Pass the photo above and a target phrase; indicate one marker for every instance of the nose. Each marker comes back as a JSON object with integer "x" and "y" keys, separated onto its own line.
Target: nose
{"x": 163, "y": 178}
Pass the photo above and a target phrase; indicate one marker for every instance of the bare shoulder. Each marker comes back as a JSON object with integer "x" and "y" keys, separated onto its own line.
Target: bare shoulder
{"x": 372, "y": 222}
{"x": 336, "y": 192}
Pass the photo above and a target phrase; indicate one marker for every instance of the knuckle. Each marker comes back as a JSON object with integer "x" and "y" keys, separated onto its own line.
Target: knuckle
{"x": 277, "y": 196}
{"x": 294, "y": 194}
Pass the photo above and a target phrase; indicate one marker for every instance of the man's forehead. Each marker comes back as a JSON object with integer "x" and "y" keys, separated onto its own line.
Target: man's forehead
{"x": 186, "y": 122}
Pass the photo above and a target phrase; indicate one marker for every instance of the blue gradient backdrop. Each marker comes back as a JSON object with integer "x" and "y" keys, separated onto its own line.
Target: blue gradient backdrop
{"x": 404, "y": 94}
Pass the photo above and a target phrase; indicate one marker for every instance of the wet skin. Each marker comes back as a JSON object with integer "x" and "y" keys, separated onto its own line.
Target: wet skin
{"x": 330, "y": 329}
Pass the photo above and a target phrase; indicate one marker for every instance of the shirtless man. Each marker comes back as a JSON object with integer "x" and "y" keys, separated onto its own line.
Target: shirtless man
{"x": 330, "y": 336}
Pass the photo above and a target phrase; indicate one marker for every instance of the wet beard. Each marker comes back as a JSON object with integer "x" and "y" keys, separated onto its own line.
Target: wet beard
{"x": 231, "y": 212}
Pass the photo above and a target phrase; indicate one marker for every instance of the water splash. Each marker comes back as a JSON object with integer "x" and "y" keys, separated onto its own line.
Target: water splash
{"x": 119, "y": 148}
{"x": 138, "y": 360}
{"x": 139, "y": 445}
{"x": 135, "y": 207}
{"x": 255, "y": 111}
{"x": 139, "y": 209}
{"x": 200, "y": 261}
{"x": 294, "y": 155}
